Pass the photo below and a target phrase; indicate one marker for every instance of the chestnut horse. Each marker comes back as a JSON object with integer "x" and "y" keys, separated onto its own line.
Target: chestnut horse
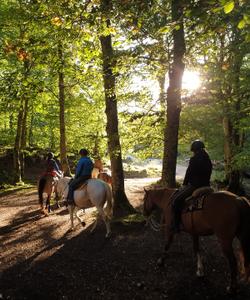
{"x": 223, "y": 214}
{"x": 47, "y": 185}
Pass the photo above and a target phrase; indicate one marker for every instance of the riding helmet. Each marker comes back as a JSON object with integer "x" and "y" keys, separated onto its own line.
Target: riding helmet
{"x": 84, "y": 152}
{"x": 50, "y": 155}
{"x": 197, "y": 145}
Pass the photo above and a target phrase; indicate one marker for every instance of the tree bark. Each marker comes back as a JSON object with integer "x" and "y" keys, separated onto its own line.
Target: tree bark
{"x": 17, "y": 176}
{"x": 24, "y": 133}
{"x": 174, "y": 97}
{"x": 20, "y": 140}
{"x": 121, "y": 203}
{"x": 61, "y": 98}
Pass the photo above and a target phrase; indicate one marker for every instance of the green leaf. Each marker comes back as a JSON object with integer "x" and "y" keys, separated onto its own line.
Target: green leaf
{"x": 228, "y": 7}
{"x": 241, "y": 24}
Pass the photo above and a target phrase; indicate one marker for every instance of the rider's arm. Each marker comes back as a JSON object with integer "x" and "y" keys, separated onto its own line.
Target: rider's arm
{"x": 191, "y": 170}
{"x": 56, "y": 168}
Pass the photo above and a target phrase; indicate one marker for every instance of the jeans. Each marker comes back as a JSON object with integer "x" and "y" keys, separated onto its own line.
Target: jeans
{"x": 178, "y": 200}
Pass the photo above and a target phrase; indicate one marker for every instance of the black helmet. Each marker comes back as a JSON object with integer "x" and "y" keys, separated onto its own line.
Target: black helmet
{"x": 84, "y": 152}
{"x": 197, "y": 145}
{"x": 50, "y": 155}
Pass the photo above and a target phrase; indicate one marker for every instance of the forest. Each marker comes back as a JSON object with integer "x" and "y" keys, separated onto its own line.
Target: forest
{"x": 107, "y": 75}
{"x": 131, "y": 81}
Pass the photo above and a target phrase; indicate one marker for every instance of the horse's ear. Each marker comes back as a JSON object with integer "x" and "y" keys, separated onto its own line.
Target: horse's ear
{"x": 145, "y": 190}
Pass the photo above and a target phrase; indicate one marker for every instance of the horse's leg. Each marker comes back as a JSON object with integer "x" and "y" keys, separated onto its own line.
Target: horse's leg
{"x": 106, "y": 221}
{"x": 77, "y": 211}
{"x": 196, "y": 247}
{"x": 71, "y": 208}
{"x": 95, "y": 223}
{"x": 57, "y": 199}
{"x": 169, "y": 240}
{"x": 48, "y": 203}
{"x": 227, "y": 249}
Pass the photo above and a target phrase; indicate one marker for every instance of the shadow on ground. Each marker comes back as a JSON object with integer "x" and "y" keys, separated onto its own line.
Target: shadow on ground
{"x": 88, "y": 266}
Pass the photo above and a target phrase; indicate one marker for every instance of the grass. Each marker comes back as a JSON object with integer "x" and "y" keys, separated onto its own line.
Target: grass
{"x": 8, "y": 188}
{"x": 132, "y": 218}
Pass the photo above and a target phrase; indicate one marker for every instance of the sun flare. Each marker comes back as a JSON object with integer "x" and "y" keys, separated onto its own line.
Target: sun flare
{"x": 191, "y": 81}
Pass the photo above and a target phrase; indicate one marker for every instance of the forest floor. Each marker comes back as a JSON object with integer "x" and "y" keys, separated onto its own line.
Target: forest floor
{"x": 41, "y": 259}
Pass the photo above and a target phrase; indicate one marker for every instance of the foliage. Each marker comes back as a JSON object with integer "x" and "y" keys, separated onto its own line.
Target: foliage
{"x": 217, "y": 36}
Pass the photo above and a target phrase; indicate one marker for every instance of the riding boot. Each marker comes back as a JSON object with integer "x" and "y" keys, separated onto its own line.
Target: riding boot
{"x": 175, "y": 226}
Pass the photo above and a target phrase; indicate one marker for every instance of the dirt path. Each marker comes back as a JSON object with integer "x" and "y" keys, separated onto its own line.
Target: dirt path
{"x": 40, "y": 259}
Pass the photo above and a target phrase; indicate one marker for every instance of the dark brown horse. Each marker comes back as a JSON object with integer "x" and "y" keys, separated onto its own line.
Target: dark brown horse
{"x": 223, "y": 214}
{"x": 47, "y": 185}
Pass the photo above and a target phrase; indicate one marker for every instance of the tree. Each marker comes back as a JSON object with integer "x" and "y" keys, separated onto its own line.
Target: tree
{"x": 174, "y": 96}
{"x": 121, "y": 204}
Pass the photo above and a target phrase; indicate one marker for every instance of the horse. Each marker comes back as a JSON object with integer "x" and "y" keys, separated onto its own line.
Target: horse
{"x": 93, "y": 193}
{"x": 105, "y": 177}
{"x": 47, "y": 185}
{"x": 224, "y": 214}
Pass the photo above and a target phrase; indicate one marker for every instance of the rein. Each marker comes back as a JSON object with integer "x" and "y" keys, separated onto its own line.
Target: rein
{"x": 154, "y": 224}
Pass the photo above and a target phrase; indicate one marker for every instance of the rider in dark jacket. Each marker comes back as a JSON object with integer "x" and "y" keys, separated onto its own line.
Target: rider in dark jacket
{"x": 197, "y": 175}
{"x": 83, "y": 172}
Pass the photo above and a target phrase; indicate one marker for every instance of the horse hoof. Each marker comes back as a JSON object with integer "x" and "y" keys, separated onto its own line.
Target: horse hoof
{"x": 83, "y": 224}
{"x": 108, "y": 235}
{"x": 231, "y": 290}
{"x": 160, "y": 262}
{"x": 200, "y": 274}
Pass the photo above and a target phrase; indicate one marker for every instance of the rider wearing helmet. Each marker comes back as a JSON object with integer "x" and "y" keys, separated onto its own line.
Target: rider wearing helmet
{"x": 52, "y": 166}
{"x": 83, "y": 172}
{"x": 197, "y": 175}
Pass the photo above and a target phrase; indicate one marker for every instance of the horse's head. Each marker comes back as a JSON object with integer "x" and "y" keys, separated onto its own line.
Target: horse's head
{"x": 148, "y": 203}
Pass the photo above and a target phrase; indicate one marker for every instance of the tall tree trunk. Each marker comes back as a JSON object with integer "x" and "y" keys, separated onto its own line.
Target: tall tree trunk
{"x": 20, "y": 140}
{"x": 61, "y": 98}
{"x": 24, "y": 133}
{"x": 174, "y": 97}
{"x": 17, "y": 176}
{"x": 30, "y": 131}
{"x": 121, "y": 203}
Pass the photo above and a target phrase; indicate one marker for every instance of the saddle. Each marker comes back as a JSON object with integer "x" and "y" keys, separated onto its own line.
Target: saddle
{"x": 83, "y": 186}
{"x": 196, "y": 201}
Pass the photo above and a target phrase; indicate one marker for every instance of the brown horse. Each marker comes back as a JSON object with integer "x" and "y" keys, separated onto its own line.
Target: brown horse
{"x": 104, "y": 176}
{"x": 223, "y": 214}
{"x": 47, "y": 185}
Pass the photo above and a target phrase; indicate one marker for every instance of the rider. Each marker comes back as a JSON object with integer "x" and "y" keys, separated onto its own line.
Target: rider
{"x": 52, "y": 166}
{"x": 83, "y": 172}
{"x": 197, "y": 175}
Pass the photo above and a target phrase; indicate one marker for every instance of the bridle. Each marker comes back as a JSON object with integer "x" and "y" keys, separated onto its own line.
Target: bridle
{"x": 150, "y": 219}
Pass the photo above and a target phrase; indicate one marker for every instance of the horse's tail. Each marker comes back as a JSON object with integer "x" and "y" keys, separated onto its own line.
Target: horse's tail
{"x": 41, "y": 186}
{"x": 109, "y": 206}
{"x": 244, "y": 233}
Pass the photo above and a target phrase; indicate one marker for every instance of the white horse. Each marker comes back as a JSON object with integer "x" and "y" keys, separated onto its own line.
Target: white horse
{"x": 95, "y": 193}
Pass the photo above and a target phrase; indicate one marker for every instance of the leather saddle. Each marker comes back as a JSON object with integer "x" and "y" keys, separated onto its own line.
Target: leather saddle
{"x": 196, "y": 201}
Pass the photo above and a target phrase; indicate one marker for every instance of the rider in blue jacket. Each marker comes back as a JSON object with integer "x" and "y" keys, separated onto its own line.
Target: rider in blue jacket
{"x": 83, "y": 172}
